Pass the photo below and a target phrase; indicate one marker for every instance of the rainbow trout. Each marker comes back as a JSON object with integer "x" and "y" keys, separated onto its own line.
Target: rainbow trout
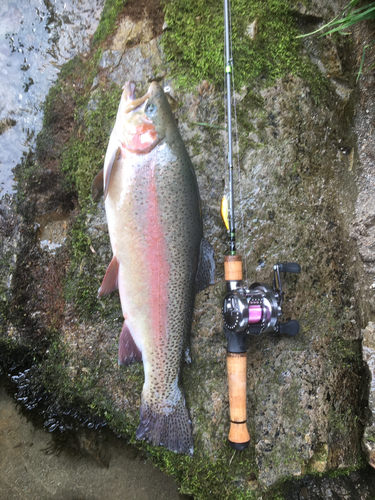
{"x": 160, "y": 258}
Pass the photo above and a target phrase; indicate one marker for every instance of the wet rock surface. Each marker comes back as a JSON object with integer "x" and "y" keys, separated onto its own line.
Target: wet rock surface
{"x": 306, "y": 178}
{"x": 368, "y": 352}
{"x": 354, "y": 486}
{"x": 36, "y": 38}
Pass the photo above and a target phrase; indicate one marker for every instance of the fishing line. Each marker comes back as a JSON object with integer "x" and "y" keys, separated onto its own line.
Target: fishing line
{"x": 225, "y": 142}
{"x": 239, "y": 184}
{"x": 236, "y": 131}
{"x": 237, "y": 147}
{"x": 227, "y": 209}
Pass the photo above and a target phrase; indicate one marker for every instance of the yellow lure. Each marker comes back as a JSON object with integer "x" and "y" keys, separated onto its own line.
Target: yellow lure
{"x": 225, "y": 211}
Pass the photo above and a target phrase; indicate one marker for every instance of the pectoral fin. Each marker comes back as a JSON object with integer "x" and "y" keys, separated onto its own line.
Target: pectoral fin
{"x": 97, "y": 186}
{"x": 206, "y": 266}
{"x": 110, "y": 162}
{"x": 128, "y": 352}
{"x": 110, "y": 280}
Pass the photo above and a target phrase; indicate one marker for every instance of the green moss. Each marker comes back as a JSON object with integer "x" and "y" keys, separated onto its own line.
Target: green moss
{"x": 194, "y": 42}
{"x": 346, "y": 353}
{"x": 86, "y": 272}
{"x": 226, "y": 477}
{"x": 80, "y": 281}
{"x": 84, "y": 155}
{"x": 108, "y": 18}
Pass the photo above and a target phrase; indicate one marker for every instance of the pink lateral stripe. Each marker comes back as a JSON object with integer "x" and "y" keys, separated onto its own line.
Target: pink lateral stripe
{"x": 158, "y": 264}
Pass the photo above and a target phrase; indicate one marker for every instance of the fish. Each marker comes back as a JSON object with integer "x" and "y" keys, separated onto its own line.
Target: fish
{"x": 160, "y": 256}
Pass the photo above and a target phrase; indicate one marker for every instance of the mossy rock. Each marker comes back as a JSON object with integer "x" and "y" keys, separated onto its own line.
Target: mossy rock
{"x": 306, "y": 394}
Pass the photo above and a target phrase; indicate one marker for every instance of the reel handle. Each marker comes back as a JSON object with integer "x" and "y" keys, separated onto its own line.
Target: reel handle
{"x": 289, "y": 328}
{"x": 289, "y": 267}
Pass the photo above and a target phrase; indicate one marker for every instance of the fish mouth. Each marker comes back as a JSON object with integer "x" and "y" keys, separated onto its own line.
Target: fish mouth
{"x": 135, "y": 103}
{"x": 131, "y": 102}
{"x": 140, "y": 134}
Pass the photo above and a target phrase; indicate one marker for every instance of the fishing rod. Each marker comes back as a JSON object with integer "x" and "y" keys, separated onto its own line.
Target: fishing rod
{"x": 246, "y": 310}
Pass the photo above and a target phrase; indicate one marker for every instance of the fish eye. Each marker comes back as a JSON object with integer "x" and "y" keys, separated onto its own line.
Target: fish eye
{"x": 150, "y": 109}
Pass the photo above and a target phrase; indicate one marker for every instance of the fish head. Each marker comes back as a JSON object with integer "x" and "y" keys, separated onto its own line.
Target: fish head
{"x": 144, "y": 122}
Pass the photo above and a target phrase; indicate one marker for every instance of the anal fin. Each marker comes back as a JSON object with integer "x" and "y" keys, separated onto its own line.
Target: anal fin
{"x": 110, "y": 280}
{"x": 128, "y": 352}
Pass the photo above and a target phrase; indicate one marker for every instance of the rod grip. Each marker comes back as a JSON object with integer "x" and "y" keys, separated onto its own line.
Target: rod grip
{"x": 233, "y": 267}
{"x": 239, "y": 437}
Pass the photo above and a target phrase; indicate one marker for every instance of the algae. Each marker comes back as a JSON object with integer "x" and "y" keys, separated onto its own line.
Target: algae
{"x": 275, "y": 51}
{"x": 108, "y": 19}
{"x": 83, "y": 157}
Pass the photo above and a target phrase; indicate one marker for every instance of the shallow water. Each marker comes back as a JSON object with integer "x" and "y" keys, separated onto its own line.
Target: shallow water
{"x": 32, "y": 467}
{"x": 36, "y": 38}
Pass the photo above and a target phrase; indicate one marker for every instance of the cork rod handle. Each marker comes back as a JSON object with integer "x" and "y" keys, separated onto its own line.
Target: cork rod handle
{"x": 233, "y": 268}
{"x": 239, "y": 437}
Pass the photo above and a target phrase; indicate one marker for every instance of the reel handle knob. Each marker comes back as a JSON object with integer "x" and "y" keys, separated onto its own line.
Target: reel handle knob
{"x": 239, "y": 437}
{"x": 289, "y": 328}
{"x": 289, "y": 267}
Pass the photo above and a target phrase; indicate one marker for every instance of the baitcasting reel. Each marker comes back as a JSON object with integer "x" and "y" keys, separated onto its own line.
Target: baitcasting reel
{"x": 252, "y": 310}
{"x": 257, "y": 309}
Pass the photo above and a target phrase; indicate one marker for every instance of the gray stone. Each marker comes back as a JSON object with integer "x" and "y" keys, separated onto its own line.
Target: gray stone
{"x": 110, "y": 59}
{"x": 368, "y": 352}
{"x": 142, "y": 63}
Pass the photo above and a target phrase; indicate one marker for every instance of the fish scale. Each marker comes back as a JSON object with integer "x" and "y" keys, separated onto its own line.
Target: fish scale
{"x": 160, "y": 256}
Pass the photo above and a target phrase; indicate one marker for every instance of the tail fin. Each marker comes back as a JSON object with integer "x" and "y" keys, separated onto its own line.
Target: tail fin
{"x": 171, "y": 430}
